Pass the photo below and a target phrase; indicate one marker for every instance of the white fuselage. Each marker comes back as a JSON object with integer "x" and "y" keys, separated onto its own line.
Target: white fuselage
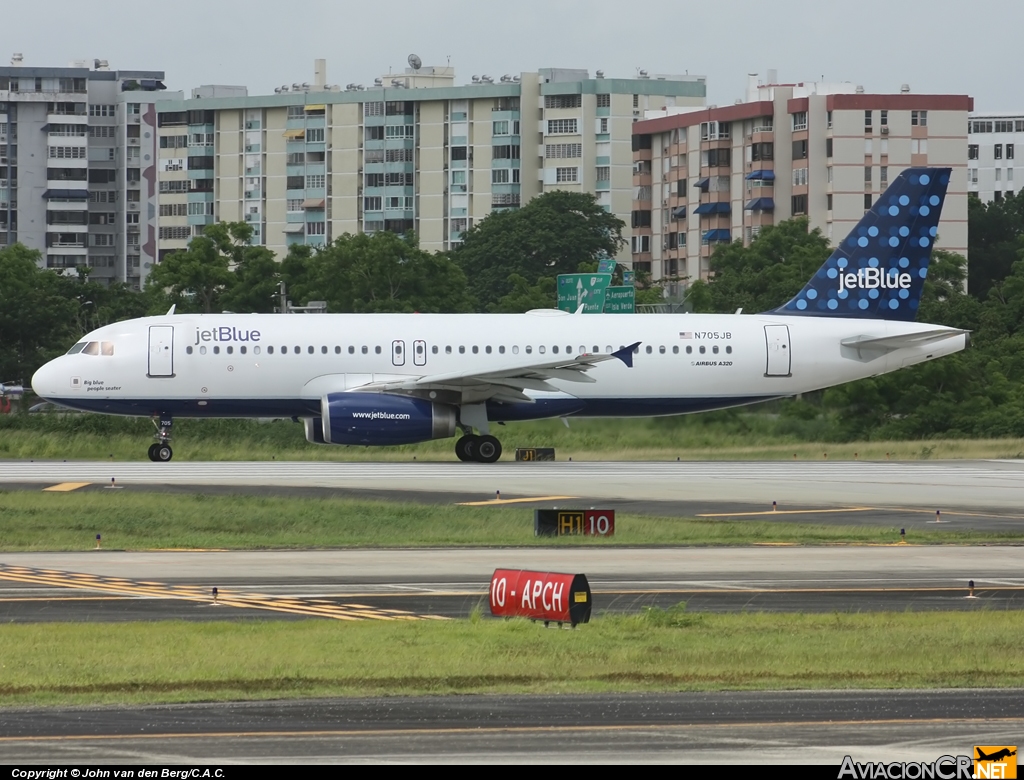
{"x": 263, "y": 365}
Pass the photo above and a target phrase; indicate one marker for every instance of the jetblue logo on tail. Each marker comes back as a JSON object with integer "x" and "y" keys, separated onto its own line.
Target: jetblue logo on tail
{"x": 878, "y": 271}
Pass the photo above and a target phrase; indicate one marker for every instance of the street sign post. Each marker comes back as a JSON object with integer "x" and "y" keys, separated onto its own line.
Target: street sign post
{"x": 620, "y": 300}
{"x": 588, "y": 290}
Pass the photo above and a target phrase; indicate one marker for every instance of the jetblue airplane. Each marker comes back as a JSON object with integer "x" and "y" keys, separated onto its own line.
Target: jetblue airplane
{"x": 375, "y": 379}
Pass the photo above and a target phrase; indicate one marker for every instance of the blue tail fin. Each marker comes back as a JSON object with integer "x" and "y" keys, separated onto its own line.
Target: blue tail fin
{"x": 878, "y": 271}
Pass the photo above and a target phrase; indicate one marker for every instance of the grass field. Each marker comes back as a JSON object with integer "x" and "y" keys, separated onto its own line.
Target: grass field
{"x": 62, "y": 664}
{"x": 731, "y": 435}
{"x": 136, "y": 520}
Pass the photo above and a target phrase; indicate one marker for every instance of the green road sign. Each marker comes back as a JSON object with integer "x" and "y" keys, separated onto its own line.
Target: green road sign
{"x": 586, "y": 289}
{"x": 629, "y": 278}
{"x": 606, "y": 267}
{"x": 620, "y": 300}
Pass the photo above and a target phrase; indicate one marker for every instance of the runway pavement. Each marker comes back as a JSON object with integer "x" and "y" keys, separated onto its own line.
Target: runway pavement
{"x": 719, "y": 728}
{"x": 968, "y": 485}
{"x": 444, "y": 583}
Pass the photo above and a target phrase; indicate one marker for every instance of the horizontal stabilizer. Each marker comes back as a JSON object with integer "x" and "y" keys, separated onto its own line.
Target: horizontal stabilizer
{"x": 892, "y": 343}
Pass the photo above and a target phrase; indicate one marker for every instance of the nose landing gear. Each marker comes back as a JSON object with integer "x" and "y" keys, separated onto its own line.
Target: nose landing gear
{"x": 161, "y": 452}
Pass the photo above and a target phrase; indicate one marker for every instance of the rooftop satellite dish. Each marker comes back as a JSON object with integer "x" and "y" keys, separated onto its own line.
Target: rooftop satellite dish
{"x": 415, "y": 62}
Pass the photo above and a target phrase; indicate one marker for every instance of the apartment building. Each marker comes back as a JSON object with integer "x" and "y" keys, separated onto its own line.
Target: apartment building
{"x": 78, "y": 166}
{"x": 824, "y": 151}
{"x": 992, "y": 141}
{"x": 412, "y": 152}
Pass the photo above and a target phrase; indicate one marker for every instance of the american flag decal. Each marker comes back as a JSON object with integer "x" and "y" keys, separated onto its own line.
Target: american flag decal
{"x": 686, "y": 334}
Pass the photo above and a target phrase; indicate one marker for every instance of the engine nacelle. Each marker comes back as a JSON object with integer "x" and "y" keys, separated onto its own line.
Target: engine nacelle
{"x": 378, "y": 418}
{"x": 314, "y": 430}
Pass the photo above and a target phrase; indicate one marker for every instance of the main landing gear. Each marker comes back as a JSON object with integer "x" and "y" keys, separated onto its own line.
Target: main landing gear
{"x": 482, "y": 449}
{"x": 161, "y": 452}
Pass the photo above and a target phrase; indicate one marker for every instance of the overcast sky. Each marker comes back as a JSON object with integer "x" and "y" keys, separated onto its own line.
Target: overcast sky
{"x": 938, "y": 46}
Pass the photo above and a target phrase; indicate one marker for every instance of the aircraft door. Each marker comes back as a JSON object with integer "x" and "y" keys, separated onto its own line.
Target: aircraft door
{"x": 161, "y": 351}
{"x": 398, "y": 353}
{"x": 419, "y": 352}
{"x": 779, "y": 357}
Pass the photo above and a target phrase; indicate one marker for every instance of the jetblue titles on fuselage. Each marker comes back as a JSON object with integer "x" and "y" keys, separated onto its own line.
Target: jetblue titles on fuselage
{"x": 226, "y": 333}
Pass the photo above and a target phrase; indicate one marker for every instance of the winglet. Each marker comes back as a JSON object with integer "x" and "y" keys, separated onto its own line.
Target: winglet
{"x": 626, "y": 354}
{"x": 170, "y": 311}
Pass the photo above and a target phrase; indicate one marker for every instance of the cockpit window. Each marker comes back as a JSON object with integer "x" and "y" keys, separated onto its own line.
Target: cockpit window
{"x": 105, "y": 348}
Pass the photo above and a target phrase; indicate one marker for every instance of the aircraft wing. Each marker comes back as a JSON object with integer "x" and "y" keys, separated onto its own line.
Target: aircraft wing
{"x": 891, "y": 343}
{"x": 507, "y": 383}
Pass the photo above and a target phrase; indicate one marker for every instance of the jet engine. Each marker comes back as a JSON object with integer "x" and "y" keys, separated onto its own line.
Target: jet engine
{"x": 378, "y": 418}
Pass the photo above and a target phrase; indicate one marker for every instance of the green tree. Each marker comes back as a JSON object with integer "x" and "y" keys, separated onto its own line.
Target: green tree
{"x": 765, "y": 275}
{"x": 525, "y": 296}
{"x": 197, "y": 278}
{"x": 37, "y": 317}
{"x": 995, "y": 231}
{"x": 382, "y": 272}
{"x": 552, "y": 234}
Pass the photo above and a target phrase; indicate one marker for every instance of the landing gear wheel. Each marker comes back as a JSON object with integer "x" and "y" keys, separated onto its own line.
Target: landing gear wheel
{"x": 152, "y": 451}
{"x": 465, "y": 448}
{"x": 163, "y": 453}
{"x": 488, "y": 449}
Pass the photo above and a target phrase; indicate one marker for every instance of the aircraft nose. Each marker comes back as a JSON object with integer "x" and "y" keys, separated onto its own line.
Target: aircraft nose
{"x": 45, "y": 380}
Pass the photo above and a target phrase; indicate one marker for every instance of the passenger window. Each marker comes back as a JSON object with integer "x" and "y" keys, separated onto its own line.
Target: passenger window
{"x": 541, "y": 349}
{"x": 650, "y": 349}
{"x": 202, "y": 350}
{"x": 398, "y": 349}
{"x": 310, "y": 350}
{"x": 675, "y": 350}
{"x": 377, "y": 350}
{"x": 661, "y": 350}
{"x": 77, "y": 348}
{"x": 323, "y": 350}
{"x": 475, "y": 350}
{"x": 366, "y": 350}
{"x": 597, "y": 349}
{"x": 107, "y": 348}
{"x": 447, "y": 350}
{"x": 230, "y": 350}
{"x": 242, "y": 350}
{"x": 256, "y": 350}
{"x": 568, "y": 350}
{"x": 689, "y": 350}
{"x": 554, "y": 350}
{"x": 728, "y": 350}
{"x": 270, "y": 350}
{"x": 529, "y": 350}
{"x": 188, "y": 350}
{"x": 501, "y": 350}
{"x": 298, "y": 350}
{"x": 351, "y": 350}
{"x": 636, "y": 350}
{"x": 462, "y": 350}
{"x": 487, "y": 349}
{"x": 702, "y": 350}
{"x": 284, "y": 350}
{"x": 216, "y": 350}
{"x": 92, "y": 348}
{"x": 608, "y": 349}
{"x": 434, "y": 349}
{"x": 515, "y": 350}
{"x": 715, "y": 350}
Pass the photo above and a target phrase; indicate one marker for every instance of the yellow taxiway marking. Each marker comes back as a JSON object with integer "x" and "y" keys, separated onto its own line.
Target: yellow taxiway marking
{"x": 65, "y": 487}
{"x": 789, "y": 512}
{"x": 496, "y": 501}
{"x": 497, "y": 729}
{"x": 291, "y": 605}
